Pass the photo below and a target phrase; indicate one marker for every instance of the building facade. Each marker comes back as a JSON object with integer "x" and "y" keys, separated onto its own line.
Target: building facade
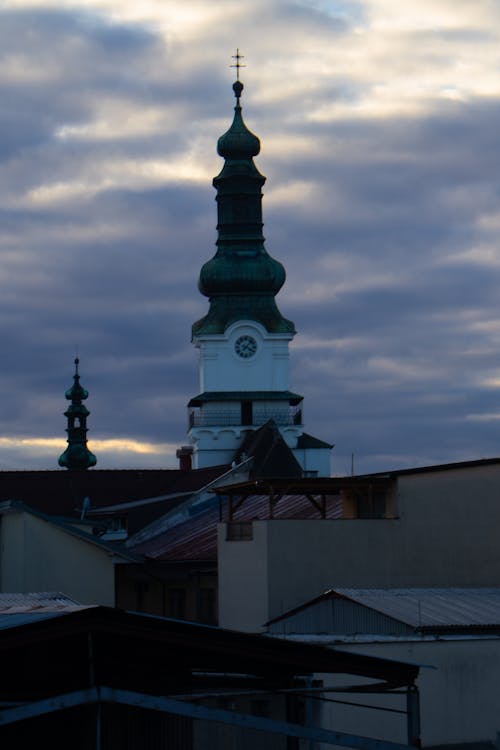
{"x": 435, "y": 526}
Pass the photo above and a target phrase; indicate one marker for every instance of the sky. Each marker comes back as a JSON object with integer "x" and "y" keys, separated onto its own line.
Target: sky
{"x": 379, "y": 123}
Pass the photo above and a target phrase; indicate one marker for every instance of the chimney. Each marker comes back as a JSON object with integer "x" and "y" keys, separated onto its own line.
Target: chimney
{"x": 184, "y": 454}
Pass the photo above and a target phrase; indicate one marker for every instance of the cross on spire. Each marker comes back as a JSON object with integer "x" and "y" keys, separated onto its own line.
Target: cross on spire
{"x": 237, "y": 65}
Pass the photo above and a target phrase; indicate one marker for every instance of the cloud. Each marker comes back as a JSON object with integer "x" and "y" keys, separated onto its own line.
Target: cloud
{"x": 380, "y": 145}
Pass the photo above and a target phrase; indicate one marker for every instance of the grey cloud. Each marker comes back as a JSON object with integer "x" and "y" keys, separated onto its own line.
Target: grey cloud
{"x": 115, "y": 273}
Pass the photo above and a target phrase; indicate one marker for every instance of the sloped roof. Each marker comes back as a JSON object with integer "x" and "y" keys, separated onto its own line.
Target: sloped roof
{"x": 35, "y": 601}
{"x": 272, "y": 456}
{"x": 166, "y": 653}
{"x": 309, "y": 442}
{"x": 420, "y": 608}
{"x": 196, "y": 538}
{"x": 23, "y": 609}
{"x": 432, "y": 607}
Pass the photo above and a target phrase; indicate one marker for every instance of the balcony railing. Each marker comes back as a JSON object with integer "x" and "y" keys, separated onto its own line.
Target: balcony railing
{"x": 224, "y": 418}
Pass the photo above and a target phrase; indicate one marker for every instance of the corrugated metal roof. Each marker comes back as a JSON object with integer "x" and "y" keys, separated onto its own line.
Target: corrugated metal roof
{"x": 196, "y": 538}
{"x": 432, "y": 607}
{"x": 14, "y": 605}
{"x": 35, "y": 599}
{"x": 418, "y": 608}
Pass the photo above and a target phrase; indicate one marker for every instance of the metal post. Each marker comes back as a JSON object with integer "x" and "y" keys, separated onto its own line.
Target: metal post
{"x": 98, "y": 724}
{"x": 413, "y": 715}
{"x": 310, "y": 711}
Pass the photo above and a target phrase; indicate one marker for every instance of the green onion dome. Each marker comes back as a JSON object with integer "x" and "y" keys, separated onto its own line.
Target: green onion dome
{"x": 76, "y": 393}
{"x": 259, "y": 274}
{"x": 242, "y": 279}
{"x": 238, "y": 142}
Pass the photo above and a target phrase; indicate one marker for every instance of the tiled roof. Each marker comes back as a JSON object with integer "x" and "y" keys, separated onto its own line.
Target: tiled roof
{"x": 196, "y": 538}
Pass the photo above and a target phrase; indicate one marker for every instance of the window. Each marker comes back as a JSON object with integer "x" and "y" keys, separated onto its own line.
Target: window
{"x": 371, "y": 506}
{"x": 246, "y": 412}
{"x": 239, "y": 531}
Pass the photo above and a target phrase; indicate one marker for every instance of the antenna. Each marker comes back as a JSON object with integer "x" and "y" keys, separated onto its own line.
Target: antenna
{"x": 85, "y": 507}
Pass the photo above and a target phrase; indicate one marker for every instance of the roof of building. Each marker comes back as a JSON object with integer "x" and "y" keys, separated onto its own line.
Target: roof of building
{"x": 422, "y": 609}
{"x": 196, "y": 538}
{"x": 303, "y": 485}
{"x": 271, "y": 454}
{"x": 460, "y": 465}
{"x": 169, "y": 656}
{"x": 308, "y": 442}
{"x": 63, "y": 492}
{"x": 35, "y": 602}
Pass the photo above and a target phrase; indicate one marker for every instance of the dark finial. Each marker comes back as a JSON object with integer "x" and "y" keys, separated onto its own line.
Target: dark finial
{"x": 77, "y": 362}
{"x": 237, "y": 65}
{"x": 237, "y": 88}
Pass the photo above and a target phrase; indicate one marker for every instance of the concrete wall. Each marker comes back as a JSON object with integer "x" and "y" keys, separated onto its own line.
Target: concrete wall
{"x": 446, "y": 535}
{"x": 459, "y": 697}
{"x": 243, "y": 579}
{"x": 38, "y": 556}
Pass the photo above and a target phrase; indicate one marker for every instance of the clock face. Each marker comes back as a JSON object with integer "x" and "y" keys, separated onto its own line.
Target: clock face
{"x": 245, "y": 347}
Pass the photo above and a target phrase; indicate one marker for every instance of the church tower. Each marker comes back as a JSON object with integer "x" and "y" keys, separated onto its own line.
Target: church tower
{"x": 243, "y": 339}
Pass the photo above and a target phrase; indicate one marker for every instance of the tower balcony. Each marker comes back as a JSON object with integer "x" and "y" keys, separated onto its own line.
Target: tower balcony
{"x": 252, "y": 417}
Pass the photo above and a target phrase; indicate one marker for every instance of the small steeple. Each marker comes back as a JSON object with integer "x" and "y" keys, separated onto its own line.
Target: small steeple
{"x": 242, "y": 279}
{"x": 77, "y": 455}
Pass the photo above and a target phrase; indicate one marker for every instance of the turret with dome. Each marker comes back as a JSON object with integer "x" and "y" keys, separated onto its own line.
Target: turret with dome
{"x": 77, "y": 455}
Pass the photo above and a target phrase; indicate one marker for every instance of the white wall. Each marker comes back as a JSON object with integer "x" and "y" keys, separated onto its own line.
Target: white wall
{"x": 459, "y": 695}
{"x": 38, "y": 556}
{"x": 221, "y": 369}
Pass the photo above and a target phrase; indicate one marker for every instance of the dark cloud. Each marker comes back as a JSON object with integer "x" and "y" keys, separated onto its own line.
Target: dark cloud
{"x": 388, "y": 227}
